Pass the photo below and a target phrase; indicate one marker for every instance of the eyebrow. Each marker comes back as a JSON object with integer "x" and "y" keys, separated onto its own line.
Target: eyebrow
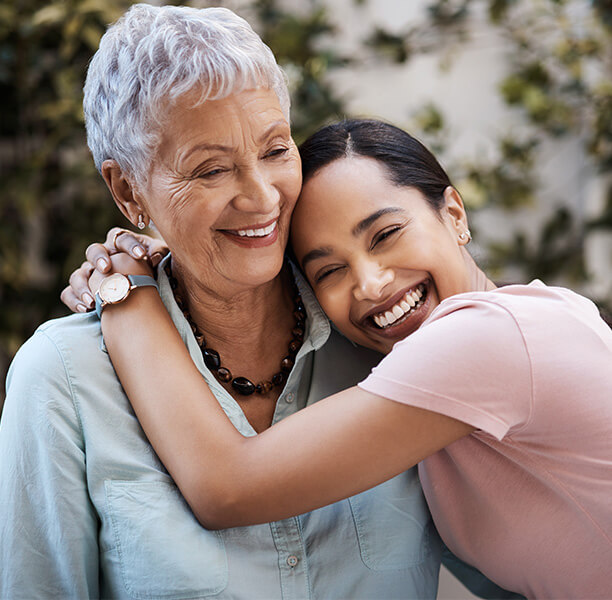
{"x": 365, "y": 223}
{"x": 269, "y": 130}
{"x": 228, "y": 149}
{"x": 314, "y": 254}
{"x": 210, "y": 147}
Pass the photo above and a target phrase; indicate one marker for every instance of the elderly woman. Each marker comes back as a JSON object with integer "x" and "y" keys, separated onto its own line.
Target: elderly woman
{"x": 187, "y": 116}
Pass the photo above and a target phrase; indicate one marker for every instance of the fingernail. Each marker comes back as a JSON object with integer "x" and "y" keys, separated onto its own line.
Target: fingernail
{"x": 102, "y": 264}
{"x": 138, "y": 251}
{"x": 88, "y": 299}
{"x": 81, "y": 308}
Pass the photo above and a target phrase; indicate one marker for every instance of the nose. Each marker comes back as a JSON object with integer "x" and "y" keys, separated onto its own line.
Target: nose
{"x": 257, "y": 194}
{"x": 371, "y": 280}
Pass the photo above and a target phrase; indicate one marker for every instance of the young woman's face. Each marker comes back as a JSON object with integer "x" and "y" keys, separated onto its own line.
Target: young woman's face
{"x": 378, "y": 257}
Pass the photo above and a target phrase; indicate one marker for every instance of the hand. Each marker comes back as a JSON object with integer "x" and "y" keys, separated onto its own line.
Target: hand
{"x": 78, "y": 296}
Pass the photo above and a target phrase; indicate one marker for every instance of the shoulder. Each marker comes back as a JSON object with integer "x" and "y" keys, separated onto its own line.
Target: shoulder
{"x": 44, "y": 367}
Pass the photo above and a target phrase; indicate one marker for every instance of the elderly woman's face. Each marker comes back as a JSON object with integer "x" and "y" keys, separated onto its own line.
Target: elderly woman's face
{"x": 222, "y": 188}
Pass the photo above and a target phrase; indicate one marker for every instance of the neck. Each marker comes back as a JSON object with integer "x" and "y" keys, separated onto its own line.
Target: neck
{"x": 479, "y": 282}
{"x": 251, "y": 330}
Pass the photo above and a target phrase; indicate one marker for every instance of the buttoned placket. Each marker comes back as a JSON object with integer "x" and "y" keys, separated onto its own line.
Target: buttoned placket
{"x": 286, "y": 534}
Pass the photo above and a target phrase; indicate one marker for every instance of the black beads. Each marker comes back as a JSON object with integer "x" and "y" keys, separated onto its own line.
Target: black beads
{"x": 243, "y": 386}
{"x": 211, "y": 358}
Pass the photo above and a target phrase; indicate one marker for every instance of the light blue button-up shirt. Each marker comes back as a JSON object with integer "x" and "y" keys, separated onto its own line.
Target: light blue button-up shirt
{"x": 87, "y": 510}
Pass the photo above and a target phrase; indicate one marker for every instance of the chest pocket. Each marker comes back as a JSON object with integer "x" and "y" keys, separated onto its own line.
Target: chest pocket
{"x": 163, "y": 551}
{"x": 394, "y": 528}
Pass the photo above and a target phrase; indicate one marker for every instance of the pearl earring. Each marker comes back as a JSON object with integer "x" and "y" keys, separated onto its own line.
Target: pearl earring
{"x": 466, "y": 234}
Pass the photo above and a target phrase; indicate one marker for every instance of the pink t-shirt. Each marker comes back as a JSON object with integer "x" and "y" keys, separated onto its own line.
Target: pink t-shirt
{"x": 527, "y": 497}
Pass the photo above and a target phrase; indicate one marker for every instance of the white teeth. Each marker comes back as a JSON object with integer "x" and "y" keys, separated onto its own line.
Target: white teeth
{"x": 406, "y": 305}
{"x": 398, "y": 312}
{"x": 261, "y": 232}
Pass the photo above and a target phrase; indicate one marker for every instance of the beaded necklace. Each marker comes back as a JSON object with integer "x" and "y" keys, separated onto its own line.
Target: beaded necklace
{"x": 212, "y": 360}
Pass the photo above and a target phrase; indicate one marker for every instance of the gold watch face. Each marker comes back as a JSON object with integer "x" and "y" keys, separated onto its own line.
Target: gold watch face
{"x": 114, "y": 288}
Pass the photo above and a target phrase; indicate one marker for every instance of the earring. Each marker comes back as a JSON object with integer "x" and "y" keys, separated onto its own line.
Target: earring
{"x": 141, "y": 223}
{"x": 466, "y": 234}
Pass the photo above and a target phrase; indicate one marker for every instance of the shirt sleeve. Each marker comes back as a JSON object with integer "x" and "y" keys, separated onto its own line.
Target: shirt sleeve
{"x": 469, "y": 362}
{"x": 48, "y": 526}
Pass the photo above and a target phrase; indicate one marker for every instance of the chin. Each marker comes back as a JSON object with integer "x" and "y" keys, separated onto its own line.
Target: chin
{"x": 263, "y": 271}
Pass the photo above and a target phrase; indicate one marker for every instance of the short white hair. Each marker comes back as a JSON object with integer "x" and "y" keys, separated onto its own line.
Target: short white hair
{"x": 154, "y": 55}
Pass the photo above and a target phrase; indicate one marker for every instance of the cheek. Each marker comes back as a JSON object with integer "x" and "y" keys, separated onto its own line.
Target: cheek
{"x": 290, "y": 188}
{"x": 336, "y": 304}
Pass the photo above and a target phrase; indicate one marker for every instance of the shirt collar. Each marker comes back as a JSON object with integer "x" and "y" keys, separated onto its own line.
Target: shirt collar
{"x": 317, "y": 331}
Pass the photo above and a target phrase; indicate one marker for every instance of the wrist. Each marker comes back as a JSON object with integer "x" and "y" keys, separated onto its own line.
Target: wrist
{"x": 140, "y": 305}
{"x": 117, "y": 288}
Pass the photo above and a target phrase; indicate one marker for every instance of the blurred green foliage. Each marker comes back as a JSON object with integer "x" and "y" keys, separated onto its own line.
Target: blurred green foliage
{"x": 559, "y": 78}
{"x": 53, "y": 202}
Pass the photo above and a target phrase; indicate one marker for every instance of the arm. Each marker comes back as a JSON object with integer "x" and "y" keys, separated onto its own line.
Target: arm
{"x": 345, "y": 444}
{"x": 48, "y": 526}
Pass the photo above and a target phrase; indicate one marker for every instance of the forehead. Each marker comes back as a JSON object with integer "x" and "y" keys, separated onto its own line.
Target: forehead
{"x": 238, "y": 119}
{"x": 351, "y": 188}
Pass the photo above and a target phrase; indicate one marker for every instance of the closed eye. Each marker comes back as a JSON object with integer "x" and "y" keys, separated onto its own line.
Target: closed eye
{"x": 276, "y": 152}
{"x": 381, "y": 236}
{"x": 326, "y": 272}
{"x": 209, "y": 172}
{"x": 212, "y": 173}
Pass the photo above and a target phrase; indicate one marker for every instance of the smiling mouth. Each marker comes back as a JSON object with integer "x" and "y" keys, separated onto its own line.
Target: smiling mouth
{"x": 412, "y": 300}
{"x": 256, "y": 233}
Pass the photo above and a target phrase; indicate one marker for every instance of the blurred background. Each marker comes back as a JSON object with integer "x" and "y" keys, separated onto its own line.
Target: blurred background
{"x": 514, "y": 97}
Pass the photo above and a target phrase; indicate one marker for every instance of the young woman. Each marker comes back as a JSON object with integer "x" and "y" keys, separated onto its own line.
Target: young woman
{"x": 503, "y": 394}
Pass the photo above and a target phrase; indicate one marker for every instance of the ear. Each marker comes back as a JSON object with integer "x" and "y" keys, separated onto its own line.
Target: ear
{"x": 456, "y": 216}
{"x": 123, "y": 192}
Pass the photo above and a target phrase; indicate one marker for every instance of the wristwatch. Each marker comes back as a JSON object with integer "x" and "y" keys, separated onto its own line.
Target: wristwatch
{"x": 117, "y": 287}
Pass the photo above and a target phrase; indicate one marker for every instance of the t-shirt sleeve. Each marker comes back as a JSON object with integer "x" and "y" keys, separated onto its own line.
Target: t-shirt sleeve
{"x": 469, "y": 362}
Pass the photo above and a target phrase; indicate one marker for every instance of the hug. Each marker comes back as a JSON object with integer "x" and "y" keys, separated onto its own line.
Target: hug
{"x": 206, "y": 432}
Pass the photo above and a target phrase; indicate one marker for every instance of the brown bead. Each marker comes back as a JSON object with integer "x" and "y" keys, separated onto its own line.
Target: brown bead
{"x": 298, "y": 333}
{"x": 287, "y": 364}
{"x": 200, "y": 339}
{"x": 224, "y": 374}
{"x": 263, "y": 387}
{"x": 294, "y": 346}
{"x": 278, "y": 379}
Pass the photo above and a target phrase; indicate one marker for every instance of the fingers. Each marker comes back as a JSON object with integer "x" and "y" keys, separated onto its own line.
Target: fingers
{"x": 71, "y": 301}
{"x": 98, "y": 255}
{"x": 156, "y": 250}
{"x": 122, "y": 240}
{"x": 78, "y": 296}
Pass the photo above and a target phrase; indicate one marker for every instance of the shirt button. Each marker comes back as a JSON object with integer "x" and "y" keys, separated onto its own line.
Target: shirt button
{"x": 290, "y": 397}
{"x": 292, "y": 560}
